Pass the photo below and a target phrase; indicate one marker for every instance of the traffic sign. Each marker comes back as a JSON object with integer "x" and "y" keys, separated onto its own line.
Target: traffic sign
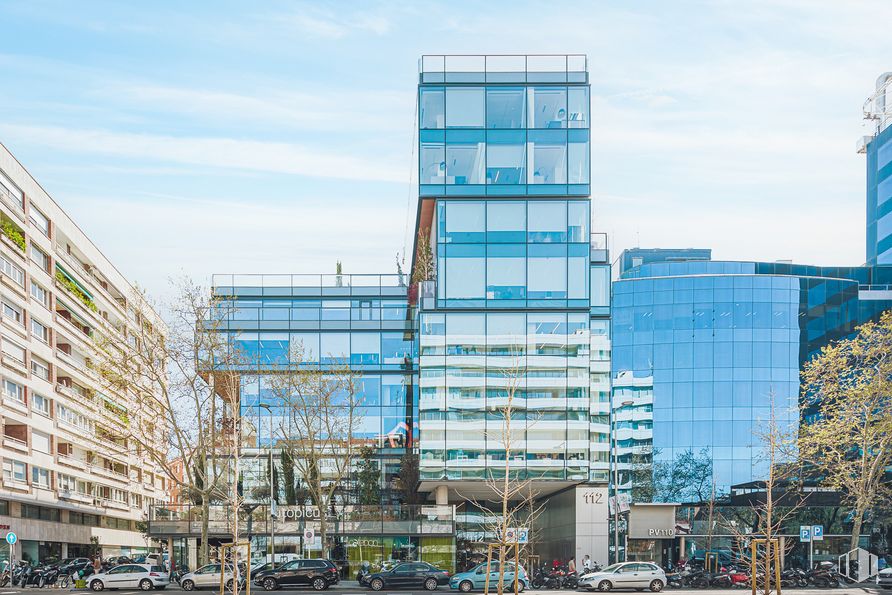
{"x": 11, "y": 538}
{"x": 309, "y": 534}
{"x": 804, "y": 533}
{"x": 817, "y": 532}
{"x": 523, "y": 535}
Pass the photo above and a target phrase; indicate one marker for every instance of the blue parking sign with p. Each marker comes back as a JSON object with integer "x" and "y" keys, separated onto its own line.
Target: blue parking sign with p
{"x": 804, "y": 533}
{"x": 817, "y": 532}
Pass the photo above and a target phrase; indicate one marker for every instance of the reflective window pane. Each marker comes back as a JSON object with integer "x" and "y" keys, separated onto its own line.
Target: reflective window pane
{"x": 505, "y": 107}
{"x": 433, "y": 163}
{"x": 506, "y": 221}
{"x": 464, "y": 222}
{"x": 465, "y": 107}
{"x": 506, "y": 158}
{"x": 432, "y": 105}
{"x": 577, "y": 112}
{"x": 547, "y": 107}
{"x": 547, "y": 157}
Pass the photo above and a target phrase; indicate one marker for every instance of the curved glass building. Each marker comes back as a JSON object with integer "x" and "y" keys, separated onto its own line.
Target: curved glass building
{"x": 703, "y": 349}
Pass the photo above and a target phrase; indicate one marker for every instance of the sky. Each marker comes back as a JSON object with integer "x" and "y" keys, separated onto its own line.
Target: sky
{"x": 277, "y": 137}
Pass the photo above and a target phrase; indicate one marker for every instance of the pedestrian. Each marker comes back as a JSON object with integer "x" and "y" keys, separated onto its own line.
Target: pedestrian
{"x": 571, "y": 566}
{"x": 586, "y": 563}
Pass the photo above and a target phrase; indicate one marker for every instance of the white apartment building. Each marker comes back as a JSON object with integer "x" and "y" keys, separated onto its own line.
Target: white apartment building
{"x": 70, "y": 476}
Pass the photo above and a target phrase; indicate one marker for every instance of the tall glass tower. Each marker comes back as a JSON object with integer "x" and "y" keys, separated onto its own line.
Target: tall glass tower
{"x": 520, "y": 291}
{"x": 878, "y": 149}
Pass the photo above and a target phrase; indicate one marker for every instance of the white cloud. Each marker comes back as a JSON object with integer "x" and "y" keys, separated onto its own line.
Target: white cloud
{"x": 329, "y": 24}
{"x": 277, "y": 157}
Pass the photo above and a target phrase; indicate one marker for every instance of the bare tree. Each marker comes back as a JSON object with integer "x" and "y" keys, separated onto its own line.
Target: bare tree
{"x": 514, "y": 496}
{"x": 177, "y": 375}
{"x": 782, "y": 495}
{"x": 849, "y": 443}
{"x": 321, "y": 415}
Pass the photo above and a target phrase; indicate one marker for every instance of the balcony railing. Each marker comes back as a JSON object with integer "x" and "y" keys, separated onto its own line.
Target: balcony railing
{"x": 13, "y": 202}
{"x": 309, "y": 285}
{"x": 533, "y": 68}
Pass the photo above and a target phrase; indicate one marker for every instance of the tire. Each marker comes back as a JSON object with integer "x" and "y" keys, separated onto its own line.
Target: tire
{"x": 376, "y": 584}
{"x": 270, "y": 584}
{"x": 228, "y": 585}
{"x": 656, "y": 586}
{"x": 604, "y": 586}
{"x": 145, "y": 585}
{"x": 41, "y": 583}
{"x": 430, "y": 584}
{"x": 187, "y": 585}
{"x": 96, "y": 586}
{"x": 520, "y": 586}
{"x": 465, "y": 586}
{"x": 319, "y": 584}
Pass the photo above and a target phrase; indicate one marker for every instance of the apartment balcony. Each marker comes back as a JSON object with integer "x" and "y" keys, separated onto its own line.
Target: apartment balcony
{"x": 81, "y": 402}
{"x": 17, "y": 444}
{"x": 90, "y": 278}
{"x": 12, "y": 203}
{"x": 73, "y": 462}
{"x": 15, "y": 404}
{"x": 79, "y": 497}
{"x": 75, "y": 331}
{"x": 110, "y": 473}
{"x": 114, "y": 504}
{"x": 16, "y": 485}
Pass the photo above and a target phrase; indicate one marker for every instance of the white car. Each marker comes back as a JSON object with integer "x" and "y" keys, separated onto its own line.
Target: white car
{"x": 884, "y": 578}
{"x": 625, "y": 575}
{"x": 130, "y": 576}
{"x": 207, "y": 577}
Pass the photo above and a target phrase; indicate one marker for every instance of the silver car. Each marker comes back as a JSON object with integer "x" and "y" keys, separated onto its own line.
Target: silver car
{"x": 625, "y": 575}
{"x": 207, "y": 577}
{"x": 130, "y": 576}
{"x": 884, "y": 578}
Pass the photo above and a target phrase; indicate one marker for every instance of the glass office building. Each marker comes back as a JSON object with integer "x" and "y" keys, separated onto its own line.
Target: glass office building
{"x": 503, "y": 199}
{"x": 878, "y": 150}
{"x": 703, "y": 350}
{"x": 515, "y": 304}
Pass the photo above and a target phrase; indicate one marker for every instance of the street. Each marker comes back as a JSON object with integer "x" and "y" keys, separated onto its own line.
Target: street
{"x": 351, "y": 589}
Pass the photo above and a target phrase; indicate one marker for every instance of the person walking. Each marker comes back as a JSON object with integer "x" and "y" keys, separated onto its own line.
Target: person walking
{"x": 586, "y": 564}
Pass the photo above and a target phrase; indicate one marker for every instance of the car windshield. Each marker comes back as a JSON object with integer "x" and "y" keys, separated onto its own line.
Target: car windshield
{"x": 612, "y": 567}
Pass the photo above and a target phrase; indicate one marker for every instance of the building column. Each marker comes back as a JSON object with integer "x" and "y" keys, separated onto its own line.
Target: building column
{"x": 441, "y": 495}
{"x": 64, "y": 550}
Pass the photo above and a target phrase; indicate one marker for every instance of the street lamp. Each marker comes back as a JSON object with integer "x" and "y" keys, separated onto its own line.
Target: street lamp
{"x": 616, "y": 479}
{"x": 272, "y": 500}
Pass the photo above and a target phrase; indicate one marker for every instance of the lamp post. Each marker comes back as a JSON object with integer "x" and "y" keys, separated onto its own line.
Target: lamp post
{"x": 616, "y": 479}
{"x": 272, "y": 501}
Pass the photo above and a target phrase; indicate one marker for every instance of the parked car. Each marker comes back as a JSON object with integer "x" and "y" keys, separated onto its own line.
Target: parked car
{"x": 128, "y": 576}
{"x": 408, "y": 574}
{"x": 207, "y": 577}
{"x": 118, "y": 560}
{"x": 884, "y": 578}
{"x": 475, "y": 578}
{"x": 625, "y": 575}
{"x": 319, "y": 574}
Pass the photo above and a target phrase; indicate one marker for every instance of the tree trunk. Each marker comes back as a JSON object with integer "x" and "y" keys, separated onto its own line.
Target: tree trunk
{"x": 323, "y": 529}
{"x": 856, "y": 528}
{"x": 205, "y": 509}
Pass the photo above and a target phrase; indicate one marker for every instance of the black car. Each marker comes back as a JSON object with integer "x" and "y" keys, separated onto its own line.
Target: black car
{"x": 319, "y": 574}
{"x": 408, "y": 574}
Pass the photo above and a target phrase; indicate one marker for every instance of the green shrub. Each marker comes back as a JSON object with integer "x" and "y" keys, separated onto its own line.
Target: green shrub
{"x": 13, "y": 233}
{"x": 75, "y": 291}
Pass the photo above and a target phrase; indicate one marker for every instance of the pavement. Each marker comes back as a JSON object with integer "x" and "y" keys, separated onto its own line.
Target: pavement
{"x": 352, "y": 589}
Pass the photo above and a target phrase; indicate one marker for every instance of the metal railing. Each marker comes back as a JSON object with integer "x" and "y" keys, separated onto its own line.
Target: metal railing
{"x": 308, "y": 285}
{"x": 530, "y": 68}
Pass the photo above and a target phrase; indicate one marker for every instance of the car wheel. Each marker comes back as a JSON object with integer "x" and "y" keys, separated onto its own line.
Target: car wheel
{"x": 520, "y": 586}
{"x": 229, "y": 584}
{"x": 465, "y": 586}
{"x": 319, "y": 584}
{"x": 656, "y": 586}
{"x": 187, "y": 585}
{"x": 145, "y": 584}
{"x": 270, "y": 584}
{"x": 430, "y": 584}
{"x": 97, "y": 585}
{"x": 604, "y": 586}
{"x": 376, "y": 584}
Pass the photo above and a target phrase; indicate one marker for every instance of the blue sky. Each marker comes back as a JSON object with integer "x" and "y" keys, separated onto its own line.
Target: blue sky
{"x": 204, "y": 137}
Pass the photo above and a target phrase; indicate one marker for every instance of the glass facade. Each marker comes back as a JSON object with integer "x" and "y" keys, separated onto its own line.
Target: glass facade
{"x": 520, "y": 300}
{"x": 879, "y": 199}
{"x": 702, "y": 350}
{"x": 362, "y": 320}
